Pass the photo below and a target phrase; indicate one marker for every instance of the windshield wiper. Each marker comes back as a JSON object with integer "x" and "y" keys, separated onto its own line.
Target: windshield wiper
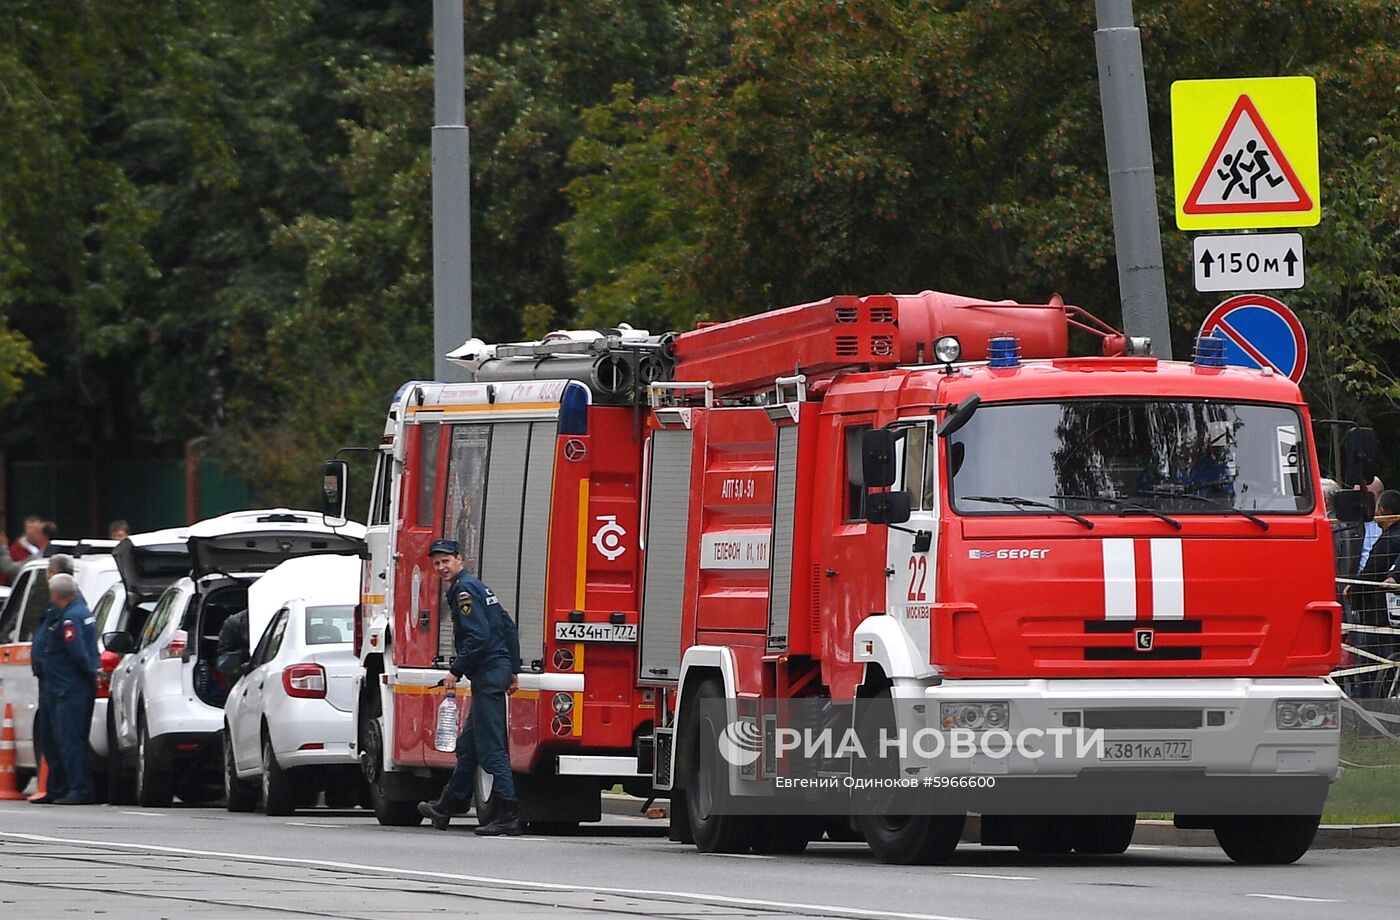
{"x": 1214, "y": 502}
{"x": 1123, "y": 505}
{"x": 1020, "y": 502}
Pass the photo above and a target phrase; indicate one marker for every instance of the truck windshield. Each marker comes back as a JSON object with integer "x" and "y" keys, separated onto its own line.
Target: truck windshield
{"x": 1165, "y": 455}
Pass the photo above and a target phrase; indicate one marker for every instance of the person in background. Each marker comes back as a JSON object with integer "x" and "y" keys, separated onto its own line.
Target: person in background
{"x": 1373, "y": 530}
{"x": 1369, "y": 602}
{"x": 1346, "y": 547}
{"x": 65, "y": 660}
{"x": 32, "y": 541}
{"x": 118, "y": 530}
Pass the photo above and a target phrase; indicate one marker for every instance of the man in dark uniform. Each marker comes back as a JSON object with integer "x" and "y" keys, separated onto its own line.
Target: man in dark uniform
{"x": 488, "y": 655}
{"x": 65, "y": 657}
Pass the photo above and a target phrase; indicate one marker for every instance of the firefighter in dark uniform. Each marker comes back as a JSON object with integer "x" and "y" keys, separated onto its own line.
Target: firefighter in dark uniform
{"x": 65, "y": 658}
{"x": 488, "y": 655}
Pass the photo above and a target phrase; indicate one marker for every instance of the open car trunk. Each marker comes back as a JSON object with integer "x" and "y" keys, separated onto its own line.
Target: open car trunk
{"x": 148, "y": 564}
{"x": 252, "y": 552}
{"x": 218, "y": 600}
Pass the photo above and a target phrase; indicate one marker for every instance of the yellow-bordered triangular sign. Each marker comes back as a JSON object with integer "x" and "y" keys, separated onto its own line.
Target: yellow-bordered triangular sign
{"x": 1246, "y": 172}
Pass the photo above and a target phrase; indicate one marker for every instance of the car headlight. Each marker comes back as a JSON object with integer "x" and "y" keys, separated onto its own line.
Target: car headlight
{"x": 1291, "y": 714}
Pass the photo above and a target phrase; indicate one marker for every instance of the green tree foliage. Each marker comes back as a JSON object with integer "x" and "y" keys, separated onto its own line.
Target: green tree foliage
{"x": 864, "y": 146}
{"x": 215, "y": 217}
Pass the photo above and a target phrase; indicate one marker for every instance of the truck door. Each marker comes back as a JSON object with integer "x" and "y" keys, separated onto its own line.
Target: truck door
{"x": 416, "y": 587}
{"x": 849, "y": 579}
{"x": 910, "y": 558}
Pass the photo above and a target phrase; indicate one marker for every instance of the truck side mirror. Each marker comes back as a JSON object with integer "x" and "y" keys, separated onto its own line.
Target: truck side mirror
{"x": 877, "y": 456}
{"x": 1349, "y": 506}
{"x": 334, "y": 476}
{"x": 1360, "y": 457}
{"x": 119, "y": 641}
{"x": 887, "y": 507}
{"x": 959, "y": 416}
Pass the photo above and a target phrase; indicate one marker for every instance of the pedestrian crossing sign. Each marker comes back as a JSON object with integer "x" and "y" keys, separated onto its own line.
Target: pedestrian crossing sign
{"x": 1245, "y": 153}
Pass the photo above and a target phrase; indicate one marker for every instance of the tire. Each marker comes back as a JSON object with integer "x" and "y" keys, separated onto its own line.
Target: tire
{"x": 1267, "y": 840}
{"x": 1047, "y": 835}
{"x": 1104, "y": 835}
{"x": 784, "y": 836}
{"x": 712, "y": 833}
{"x": 901, "y": 840}
{"x": 153, "y": 779}
{"x": 279, "y": 790}
{"x": 912, "y": 840}
{"x": 121, "y": 786}
{"x": 240, "y": 795}
{"x": 390, "y": 812}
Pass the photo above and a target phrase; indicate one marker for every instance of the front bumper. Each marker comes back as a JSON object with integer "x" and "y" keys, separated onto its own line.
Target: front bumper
{"x": 1245, "y": 762}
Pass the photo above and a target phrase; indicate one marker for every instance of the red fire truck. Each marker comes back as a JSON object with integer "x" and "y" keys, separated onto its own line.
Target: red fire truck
{"x": 535, "y": 468}
{"x": 924, "y": 499}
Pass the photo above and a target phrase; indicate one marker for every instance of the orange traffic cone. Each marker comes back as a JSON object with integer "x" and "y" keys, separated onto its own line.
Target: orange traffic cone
{"x": 8, "y": 788}
{"x": 43, "y": 789}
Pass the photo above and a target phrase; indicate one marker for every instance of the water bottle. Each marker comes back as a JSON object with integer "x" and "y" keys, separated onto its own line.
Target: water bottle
{"x": 445, "y": 738}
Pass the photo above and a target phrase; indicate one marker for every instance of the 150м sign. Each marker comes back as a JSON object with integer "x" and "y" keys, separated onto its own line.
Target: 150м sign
{"x": 1248, "y": 262}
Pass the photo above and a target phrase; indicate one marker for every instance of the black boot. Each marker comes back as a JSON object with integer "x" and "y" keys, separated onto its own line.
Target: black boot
{"x": 441, "y": 811}
{"x": 506, "y": 822}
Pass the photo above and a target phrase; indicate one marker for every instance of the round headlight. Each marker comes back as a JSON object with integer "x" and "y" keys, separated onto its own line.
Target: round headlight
{"x": 1310, "y": 715}
{"x": 562, "y": 702}
{"x": 970, "y": 717}
{"x": 1287, "y": 716}
{"x": 947, "y": 349}
{"x": 996, "y": 717}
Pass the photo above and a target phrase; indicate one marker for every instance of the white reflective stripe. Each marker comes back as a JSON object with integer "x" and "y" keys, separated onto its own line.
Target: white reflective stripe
{"x": 1119, "y": 580}
{"x": 1168, "y": 590}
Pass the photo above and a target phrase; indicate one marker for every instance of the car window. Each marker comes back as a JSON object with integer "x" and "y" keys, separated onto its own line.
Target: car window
{"x": 13, "y": 605}
{"x": 157, "y": 621}
{"x": 275, "y": 632}
{"x": 329, "y": 625}
{"x": 35, "y": 606}
{"x": 103, "y": 608}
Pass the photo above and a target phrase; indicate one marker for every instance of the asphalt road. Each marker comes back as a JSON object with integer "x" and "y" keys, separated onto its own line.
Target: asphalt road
{"x": 115, "y": 862}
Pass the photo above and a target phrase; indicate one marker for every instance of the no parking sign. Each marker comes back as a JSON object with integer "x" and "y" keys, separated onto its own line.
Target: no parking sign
{"x": 1260, "y": 331}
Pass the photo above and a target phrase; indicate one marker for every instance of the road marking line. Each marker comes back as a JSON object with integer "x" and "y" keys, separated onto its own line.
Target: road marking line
{"x": 486, "y": 880}
{"x": 1294, "y": 897}
{"x": 1144, "y": 846}
{"x": 1005, "y": 878}
{"x": 145, "y": 814}
{"x": 309, "y": 824}
{"x": 739, "y": 855}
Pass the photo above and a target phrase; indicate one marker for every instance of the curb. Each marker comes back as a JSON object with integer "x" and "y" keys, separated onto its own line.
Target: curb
{"x": 1149, "y": 832}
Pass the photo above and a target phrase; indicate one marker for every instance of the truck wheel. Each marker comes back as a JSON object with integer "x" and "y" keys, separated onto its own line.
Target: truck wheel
{"x": 1103, "y": 835}
{"x": 153, "y": 779}
{"x": 239, "y": 794}
{"x": 704, "y": 771}
{"x": 912, "y": 840}
{"x": 1047, "y": 835}
{"x": 279, "y": 789}
{"x": 1267, "y": 840}
{"x": 390, "y": 812}
{"x": 784, "y": 835}
{"x": 903, "y": 840}
{"x": 120, "y": 788}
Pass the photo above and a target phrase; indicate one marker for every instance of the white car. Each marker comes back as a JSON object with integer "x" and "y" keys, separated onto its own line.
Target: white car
{"x": 289, "y": 722}
{"x": 167, "y": 697}
{"x": 95, "y": 571}
{"x": 147, "y": 564}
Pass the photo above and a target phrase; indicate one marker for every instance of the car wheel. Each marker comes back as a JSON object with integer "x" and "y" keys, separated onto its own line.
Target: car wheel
{"x": 119, "y": 781}
{"x": 239, "y": 794}
{"x": 153, "y": 787}
{"x": 279, "y": 792}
